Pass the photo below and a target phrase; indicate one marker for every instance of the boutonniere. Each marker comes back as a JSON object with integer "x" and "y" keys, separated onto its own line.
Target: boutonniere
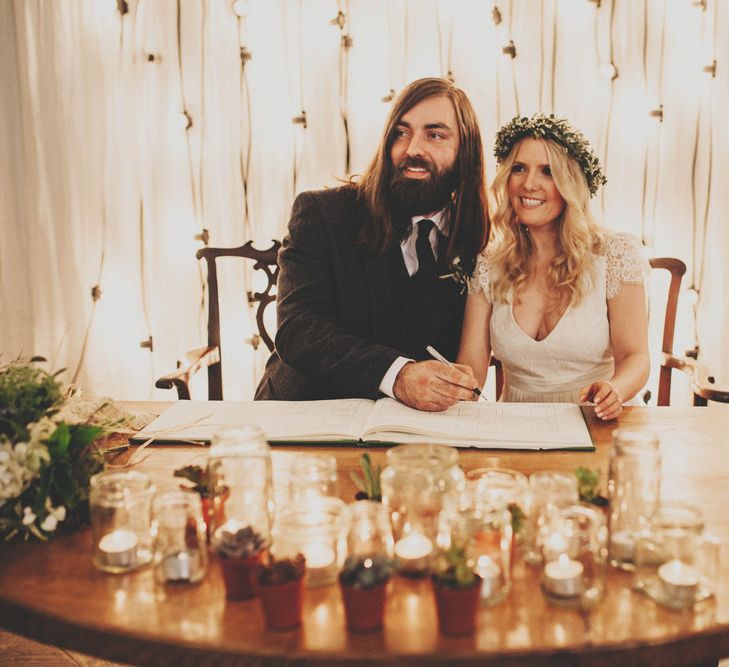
{"x": 460, "y": 272}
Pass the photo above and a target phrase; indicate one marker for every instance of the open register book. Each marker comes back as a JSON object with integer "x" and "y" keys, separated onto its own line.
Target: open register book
{"x": 386, "y": 421}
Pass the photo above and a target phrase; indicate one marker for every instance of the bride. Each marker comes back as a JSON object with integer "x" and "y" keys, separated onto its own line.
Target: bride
{"x": 557, "y": 299}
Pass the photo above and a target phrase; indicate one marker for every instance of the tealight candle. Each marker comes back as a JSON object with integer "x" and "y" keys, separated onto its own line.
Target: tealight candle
{"x": 413, "y": 552}
{"x": 320, "y": 563}
{"x": 176, "y": 567}
{"x": 118, "y": 549}
{"x": 490, "y": 572}
{"x": 680, "y": 581}
{"x": 622, "y": 546}
{"x": 563, "y": 577}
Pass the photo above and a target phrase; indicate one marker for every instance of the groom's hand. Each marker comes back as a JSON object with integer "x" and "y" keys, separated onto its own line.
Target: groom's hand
{"x": 433, "y": 386}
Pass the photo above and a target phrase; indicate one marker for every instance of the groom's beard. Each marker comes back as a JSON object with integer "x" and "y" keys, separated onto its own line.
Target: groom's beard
{"x": 415, "y": 196}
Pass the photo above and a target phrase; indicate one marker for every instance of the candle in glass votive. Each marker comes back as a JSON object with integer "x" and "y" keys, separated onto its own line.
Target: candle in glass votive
{"x": 118, "y": 549}
{"x": 176, "y": 567}
{"x": 680, "y": 581}
{"x": 490, "y": 572}
{"x": 413, "y": 552}
{"x": 321, "y": 562}
{"x": 622, "y": 546}
{"x": 563, "y": 577}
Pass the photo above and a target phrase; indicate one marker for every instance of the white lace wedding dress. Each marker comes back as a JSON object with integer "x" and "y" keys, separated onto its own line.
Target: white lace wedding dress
{"x": 577, "y": 351}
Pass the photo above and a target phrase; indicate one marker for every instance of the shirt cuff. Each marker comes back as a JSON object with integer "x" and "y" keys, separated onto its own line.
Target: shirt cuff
{"x": 388, "y": 382}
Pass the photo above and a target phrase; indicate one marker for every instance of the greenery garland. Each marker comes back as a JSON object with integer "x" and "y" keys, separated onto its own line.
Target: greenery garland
{"x": 559, "y": 130}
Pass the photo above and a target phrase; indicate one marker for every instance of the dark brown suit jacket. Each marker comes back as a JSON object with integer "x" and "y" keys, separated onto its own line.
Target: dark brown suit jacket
{"x": 332, "y": 304}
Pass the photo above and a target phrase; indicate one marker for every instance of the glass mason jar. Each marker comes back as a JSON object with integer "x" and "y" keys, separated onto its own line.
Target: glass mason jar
{"x": 676, "y": 564}
{"x": 121, "y": 523}
{"x": 369, "y": 533}
{"x": 574, "y": 549}
{"x": 314, "y": 527}
{"x": 634, "y": 481}
{"x": 548, "y": 491}
{"x": 421, "y": 488}
{"x": 180, "y": 548}
{"x": 239, "y": 466}
{"x": 502, "y": 487}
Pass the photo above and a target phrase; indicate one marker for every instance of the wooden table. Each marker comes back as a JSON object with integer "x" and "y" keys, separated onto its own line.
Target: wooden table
{"x": 51, "y": 592}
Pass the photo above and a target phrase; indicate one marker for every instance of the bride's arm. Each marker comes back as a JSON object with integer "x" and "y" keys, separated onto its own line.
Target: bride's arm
{"x": 475, "y": 348}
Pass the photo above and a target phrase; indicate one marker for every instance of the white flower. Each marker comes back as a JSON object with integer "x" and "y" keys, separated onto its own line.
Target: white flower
{"x": 28, "y": 516}
{"x": 55, "y": 514}
{"x": 15, "y": 472}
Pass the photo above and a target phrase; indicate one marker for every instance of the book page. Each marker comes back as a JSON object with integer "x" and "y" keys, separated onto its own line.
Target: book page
{"x": 482, "y": 424}
{"x": 283, "y": 421}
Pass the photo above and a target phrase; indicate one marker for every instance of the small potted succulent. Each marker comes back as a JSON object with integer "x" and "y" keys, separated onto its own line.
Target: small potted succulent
{"x": 281, "y": 589}
{"x": 363, "y": 583}
{"x": 213, "y": 506}
{"x": 369, "y": 484}
{"x": 241, "y": 553}
{"x": 457, "y": 591}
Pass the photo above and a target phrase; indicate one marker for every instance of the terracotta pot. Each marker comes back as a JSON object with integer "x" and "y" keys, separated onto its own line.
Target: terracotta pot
{"x": 239, "y": 575}
{"x": 364, "y": 607}
{"x": 282, "y": 604}
{"x": 213, "y": 511}
{"x": 457, "y": 608}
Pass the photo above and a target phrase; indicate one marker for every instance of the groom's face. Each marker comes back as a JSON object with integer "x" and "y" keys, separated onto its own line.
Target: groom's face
{"x": 423, "y": 153}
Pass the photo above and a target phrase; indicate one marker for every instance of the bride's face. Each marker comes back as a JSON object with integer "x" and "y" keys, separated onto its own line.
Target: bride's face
{"x": 533, "y": 193}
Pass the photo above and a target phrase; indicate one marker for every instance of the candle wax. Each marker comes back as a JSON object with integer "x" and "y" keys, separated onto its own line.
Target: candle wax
{"x": 563, "y": 577}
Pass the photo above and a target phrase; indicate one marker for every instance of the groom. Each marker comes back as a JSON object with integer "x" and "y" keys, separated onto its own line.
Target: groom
{"x": 361, "y": 291}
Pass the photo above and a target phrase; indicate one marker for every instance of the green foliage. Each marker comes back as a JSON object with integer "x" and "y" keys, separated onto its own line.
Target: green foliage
{"x": 198, "y": 476}
{"x": 517, "y": 517}
{"x": 455, "y": 569}
{"x": 369, "y": 485}
{"x": 27, "y": 393}
{"x": 587, "y": 486}
{"x": 366, "y": 572}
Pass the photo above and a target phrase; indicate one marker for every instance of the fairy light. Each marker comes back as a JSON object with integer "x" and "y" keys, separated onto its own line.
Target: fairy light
{"x": 388, "y": 97}
{"x": 245, "y": 55}
{"x": 509, "y": 49}
{"x": 300, "y": 120}
{"x": 657, "y": 113}
{"x": 185, "y": 120}
{"x": 710, "y": 69}
{"x": 240, "y": 8}
{"x": 496, "y": 15}
{"x": 122, "y": 6}
{"x": 608, "y": 71}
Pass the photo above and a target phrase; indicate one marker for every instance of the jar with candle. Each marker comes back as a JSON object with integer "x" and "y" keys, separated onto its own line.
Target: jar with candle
{"x": 676, "y": 563}
{"x": 314, "y": 527}
{"x": 421, "y": 487}
{"x": 367, "y": 569}
{"x": 180, "y": 545}
{"x": 502, "y": 487}
{"x": 548, "y": 492}
{"x": 121, "y": 522}
{"x": 574, "y": 549}
{"x": 239, "y": 467}
{"x": 634, "y": 481}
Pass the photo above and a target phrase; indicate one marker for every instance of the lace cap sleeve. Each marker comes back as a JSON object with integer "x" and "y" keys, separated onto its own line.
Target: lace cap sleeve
{"x": 624, "y": 262}
{"x": 481, "y": 279}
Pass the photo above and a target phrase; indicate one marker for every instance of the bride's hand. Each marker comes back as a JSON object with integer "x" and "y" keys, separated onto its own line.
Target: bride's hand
{"x": 607, "y": 399}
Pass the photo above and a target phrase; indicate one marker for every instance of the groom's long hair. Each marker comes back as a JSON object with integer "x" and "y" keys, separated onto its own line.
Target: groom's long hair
{"x": 468, "y": 215}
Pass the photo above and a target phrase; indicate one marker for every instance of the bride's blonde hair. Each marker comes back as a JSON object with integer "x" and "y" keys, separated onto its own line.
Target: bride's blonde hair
{"x": 579, "y": 237}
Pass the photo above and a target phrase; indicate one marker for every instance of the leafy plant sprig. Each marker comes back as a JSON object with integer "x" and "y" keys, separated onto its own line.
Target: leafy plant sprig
{"x": 368, "y": 485}
{"x": 517, "y": 517}
{"x": 455, "y": 569}
{"x": 198, "y": 476}
{"x": 587, "y": 486}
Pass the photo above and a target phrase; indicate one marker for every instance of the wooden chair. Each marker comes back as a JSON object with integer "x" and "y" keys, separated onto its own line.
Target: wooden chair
{"x": 702, "y": 384}
{"x": 210, "y": 357}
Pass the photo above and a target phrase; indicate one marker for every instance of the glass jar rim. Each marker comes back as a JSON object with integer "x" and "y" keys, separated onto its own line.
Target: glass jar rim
{"x": 633, "y": 438}
{"x": 678, "y": 515}
{"x": 422, "y": 455}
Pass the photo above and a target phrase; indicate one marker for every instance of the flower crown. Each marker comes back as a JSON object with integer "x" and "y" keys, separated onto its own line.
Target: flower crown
{"x": 559, "y": 130}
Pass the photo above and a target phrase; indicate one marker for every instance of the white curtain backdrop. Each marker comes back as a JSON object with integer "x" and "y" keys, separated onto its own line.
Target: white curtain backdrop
{"x": 128, "y": 128}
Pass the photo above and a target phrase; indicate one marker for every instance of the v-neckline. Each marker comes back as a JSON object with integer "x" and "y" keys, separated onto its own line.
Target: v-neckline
{"x": 553, "y": 329}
